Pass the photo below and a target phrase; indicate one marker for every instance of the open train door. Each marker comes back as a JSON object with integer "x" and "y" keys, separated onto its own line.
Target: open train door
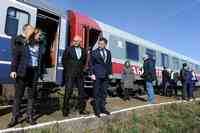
{"x": 84, "y": 27}
{"x": 49, "y": 23}
{"x": 90, "y": 32}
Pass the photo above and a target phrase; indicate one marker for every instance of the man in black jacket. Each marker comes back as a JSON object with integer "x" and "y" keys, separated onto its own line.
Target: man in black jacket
{"x": 165, "y": 81}
{"x": 101, "y": 67}
{"x": 149, "y": 76}
{"x": 183, "y": 77}
{"x": 74, "y": 61}
{"x": 18, "y": 73}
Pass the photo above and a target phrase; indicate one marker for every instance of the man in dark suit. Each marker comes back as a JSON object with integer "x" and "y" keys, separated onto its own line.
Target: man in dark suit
{"x": 101, "y": 67}
{"x": 165, "y": 81}
{"x": 18, "y": 73}
{"x": 74, "y": 60}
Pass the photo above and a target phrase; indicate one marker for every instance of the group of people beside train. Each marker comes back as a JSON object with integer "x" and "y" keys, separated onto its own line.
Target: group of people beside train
{"x": 170, "y": 80}
{"x": 186, "y": 76}
{"x": 27, "y": 68}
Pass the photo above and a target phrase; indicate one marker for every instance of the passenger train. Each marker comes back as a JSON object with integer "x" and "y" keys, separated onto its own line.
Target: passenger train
{"x": 60, "y": 27}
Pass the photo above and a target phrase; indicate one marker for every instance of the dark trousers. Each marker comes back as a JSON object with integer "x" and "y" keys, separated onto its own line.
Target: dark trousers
{"x": 165, "y": 86}
{"x": 173, "y": 86}
{"x": 30, "y": 81}
{"x": 190, "y": 90}
{"x": 100, "y": 94}
{"x": 126, "y": 93}
{"x": 69, "y": 85}
{"x": 184, "y": 90}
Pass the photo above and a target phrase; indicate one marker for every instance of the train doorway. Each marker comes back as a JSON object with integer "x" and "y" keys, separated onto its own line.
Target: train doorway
{"x": 49, "y": 24}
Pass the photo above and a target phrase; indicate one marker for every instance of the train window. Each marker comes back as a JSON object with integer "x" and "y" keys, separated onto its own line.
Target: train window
{"x": 151, "y": 53}
{"x": 165, "y": 60}
{"x": 132, "y": 51}
{"x": 175, "y": 63}
{"x": 196, "y": 68}
{"x": 15, "y": 20}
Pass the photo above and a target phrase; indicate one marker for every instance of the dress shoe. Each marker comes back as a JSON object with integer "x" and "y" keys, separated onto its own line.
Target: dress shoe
{"x": 31, "y": 121}
{"x": 98, "y": 115}
{"x": 13, "y": 122}
{"x": 106, "y": 112}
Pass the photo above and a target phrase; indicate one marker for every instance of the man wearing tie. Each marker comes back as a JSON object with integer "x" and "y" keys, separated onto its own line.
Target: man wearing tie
{"x": 101, "y": 68}
{"x": 74, "y": 60}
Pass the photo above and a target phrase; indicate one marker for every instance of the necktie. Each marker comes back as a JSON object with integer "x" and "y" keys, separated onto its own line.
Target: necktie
{"x": 103, "y": 55}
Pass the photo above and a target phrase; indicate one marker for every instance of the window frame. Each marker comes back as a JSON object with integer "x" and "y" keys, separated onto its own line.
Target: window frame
{"x": 152, "y": 50}
{"x": 176, "y": 61}
{"x": 19, "y": 10}
{"x": 165, "y": 60}
{"x": 128, "y": 43}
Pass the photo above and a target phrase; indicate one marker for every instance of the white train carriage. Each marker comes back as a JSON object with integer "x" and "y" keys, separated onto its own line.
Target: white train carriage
{"x": 60, "y": 27}
{"x": 126, "y": 46}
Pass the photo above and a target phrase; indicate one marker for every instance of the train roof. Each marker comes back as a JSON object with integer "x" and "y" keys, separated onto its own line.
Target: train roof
{"x": 45, "y": 5}
{"x": 138, "y": 40}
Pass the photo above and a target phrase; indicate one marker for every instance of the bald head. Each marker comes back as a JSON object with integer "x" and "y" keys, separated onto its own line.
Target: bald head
{"x": 77, "y": 41}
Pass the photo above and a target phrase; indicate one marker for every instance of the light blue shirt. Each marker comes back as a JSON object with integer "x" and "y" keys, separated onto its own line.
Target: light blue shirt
{"x": 33, "y": 55}
{"x": 78, "y": 52}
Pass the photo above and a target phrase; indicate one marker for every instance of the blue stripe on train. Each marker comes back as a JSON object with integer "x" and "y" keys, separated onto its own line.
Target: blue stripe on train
{"x": 4, "y": 74}
{"x": 5, "y": 55}
{"x": 5, "y": 49}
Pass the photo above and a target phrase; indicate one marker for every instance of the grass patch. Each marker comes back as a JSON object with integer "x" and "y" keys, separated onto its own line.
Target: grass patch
{"x": 175, "y": 118}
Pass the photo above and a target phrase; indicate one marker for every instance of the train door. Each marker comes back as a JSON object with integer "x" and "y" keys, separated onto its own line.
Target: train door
{"x": 49, "y": 24}
{"x": 90, "y": 37}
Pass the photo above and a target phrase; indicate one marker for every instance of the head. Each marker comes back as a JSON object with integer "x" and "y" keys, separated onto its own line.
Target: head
{"x": 164, "y": 68}
{"x": 146, "y": 56}
{"x": 77, "y": 41}
{"x": 28, "y": 30}
{"x": 127, "y": 64}
{"x": 37, "y": 34}
{"x": 184, "y": 65}
{"x": 102, "y": 43}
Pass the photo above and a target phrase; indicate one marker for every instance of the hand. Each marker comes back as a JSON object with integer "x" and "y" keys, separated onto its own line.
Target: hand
{"x": 13, "y": 75}
{"x": 93, "y": 77}
{"x": 110, "y": 76}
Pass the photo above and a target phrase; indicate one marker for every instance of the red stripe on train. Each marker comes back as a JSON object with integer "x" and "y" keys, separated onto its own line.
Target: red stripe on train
{"x": 118, "y": 69}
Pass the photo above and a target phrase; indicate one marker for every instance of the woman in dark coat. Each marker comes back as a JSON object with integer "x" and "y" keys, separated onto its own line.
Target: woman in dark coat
{"x": 128, "y": 79}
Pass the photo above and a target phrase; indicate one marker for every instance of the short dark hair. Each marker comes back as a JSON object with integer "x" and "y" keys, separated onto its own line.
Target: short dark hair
{"x": 184, "y": 64}
{"x": 103, "y": 39}
{"x": 25, "y": 26}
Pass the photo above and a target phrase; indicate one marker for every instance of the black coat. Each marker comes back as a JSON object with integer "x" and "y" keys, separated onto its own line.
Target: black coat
{"x": 73, "y": 67}
{"x": 165, "y": 76}
{"x": 183, "y": 75}
{"x": 149, "y": 70}
{"x": 100, "y": 68}
{"x": 19, "y": 55}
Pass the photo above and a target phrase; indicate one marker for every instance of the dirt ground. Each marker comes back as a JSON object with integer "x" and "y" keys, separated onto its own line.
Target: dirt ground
{"x": 113, "y": 104}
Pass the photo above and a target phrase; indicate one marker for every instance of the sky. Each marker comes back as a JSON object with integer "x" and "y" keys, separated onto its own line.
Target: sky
{"x": 173, "y": 24}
